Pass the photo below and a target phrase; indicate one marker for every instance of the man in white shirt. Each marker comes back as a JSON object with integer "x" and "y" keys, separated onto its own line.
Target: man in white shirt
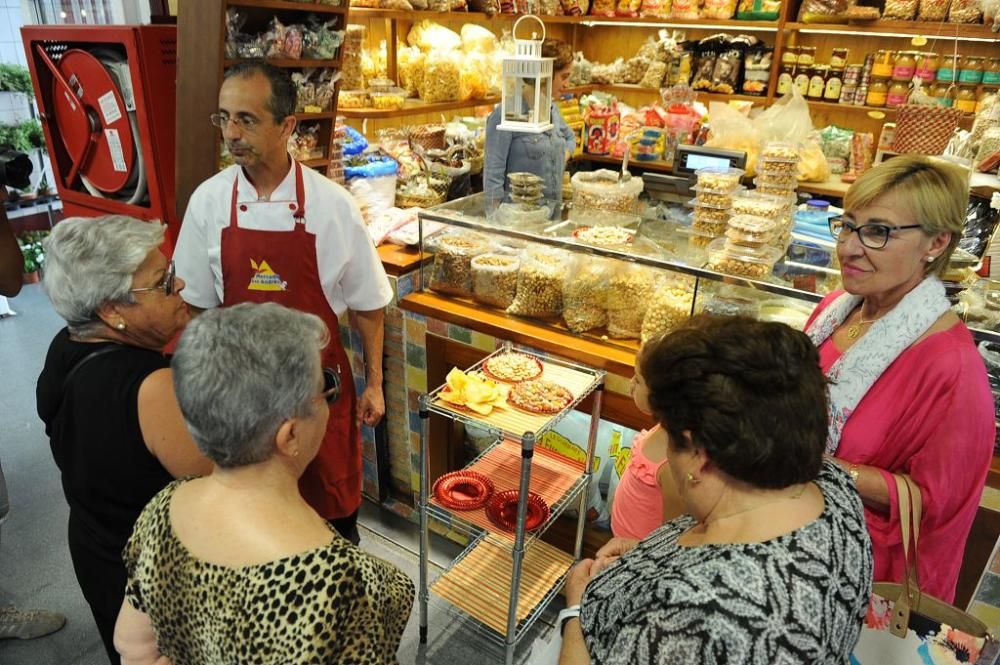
{"x": 269, "y": 230}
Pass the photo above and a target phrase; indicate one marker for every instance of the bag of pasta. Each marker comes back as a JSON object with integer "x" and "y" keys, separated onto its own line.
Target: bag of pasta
{"x": 630, "y": 290}
{"x": 540, "y": 284}
{"x": 442, "y": 75}
{"x": 428, "y": 35}
{"x": 585, "y": 294}
{"x": 669, "y": 307}
{"x": 410, "y": 65}
{"x": 473, "y": 81}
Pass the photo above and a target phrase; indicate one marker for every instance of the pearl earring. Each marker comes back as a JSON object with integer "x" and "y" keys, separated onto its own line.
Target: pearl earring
{"x": 930, "y": 259}
{"x": 691, "y": 479}
{"x": 121, "y": 325}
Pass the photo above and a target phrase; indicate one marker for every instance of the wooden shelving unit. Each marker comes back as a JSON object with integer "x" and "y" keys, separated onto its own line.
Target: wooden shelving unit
{"x": 417, "y": 107}
{"x": 201, "y": 63}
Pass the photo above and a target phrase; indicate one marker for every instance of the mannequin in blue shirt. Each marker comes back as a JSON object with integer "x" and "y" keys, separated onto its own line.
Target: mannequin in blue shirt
{"x": 543, "y": 154}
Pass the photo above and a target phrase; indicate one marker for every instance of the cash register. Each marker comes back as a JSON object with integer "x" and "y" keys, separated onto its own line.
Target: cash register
{"x": 676, "y": 186}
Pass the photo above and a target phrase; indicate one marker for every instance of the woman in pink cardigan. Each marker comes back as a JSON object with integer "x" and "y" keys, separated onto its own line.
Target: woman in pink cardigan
{"x": 909, "y": 392}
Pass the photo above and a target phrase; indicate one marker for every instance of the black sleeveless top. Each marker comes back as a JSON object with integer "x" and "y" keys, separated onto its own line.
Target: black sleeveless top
{"x": 108, "y": 474}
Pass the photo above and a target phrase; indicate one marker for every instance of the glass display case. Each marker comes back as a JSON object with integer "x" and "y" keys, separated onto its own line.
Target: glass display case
{"x": 615, "y": 275}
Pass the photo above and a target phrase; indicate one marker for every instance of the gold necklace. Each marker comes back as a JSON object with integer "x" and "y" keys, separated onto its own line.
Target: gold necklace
{"x": 854, "y": 329}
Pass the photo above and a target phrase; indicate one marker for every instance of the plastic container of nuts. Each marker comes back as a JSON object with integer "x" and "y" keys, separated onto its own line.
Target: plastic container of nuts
{"x": 742, "y": 261}
{"x": 717, "y": 198}
{"x": 787, "y": 182}
{"x": 719, "y": 178}
{"x": 353, "y": 99}
{"x": 759, "y": 205}
{"x": 494, "y": 279}
{"x": 603, "y": 190}
{"x": 749, "y": 231}
{"x": 780, "y": 152}
{"x": 452, "y": 269}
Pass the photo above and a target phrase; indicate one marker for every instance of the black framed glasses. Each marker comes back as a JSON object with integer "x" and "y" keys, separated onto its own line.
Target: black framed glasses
{"x": 331, "y": 384}
{"x": 873, "y": 236}
{"x": 245, "y": 123}
{"x": 166, "y": 284}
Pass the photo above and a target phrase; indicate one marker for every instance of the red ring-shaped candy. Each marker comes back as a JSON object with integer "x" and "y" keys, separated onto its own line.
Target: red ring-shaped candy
{"x": 463, "y": 490}
{"x": 502, "y": 510}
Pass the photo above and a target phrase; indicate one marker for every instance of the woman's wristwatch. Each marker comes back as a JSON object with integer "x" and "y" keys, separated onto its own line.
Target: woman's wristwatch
{"x": 571, "y": 612}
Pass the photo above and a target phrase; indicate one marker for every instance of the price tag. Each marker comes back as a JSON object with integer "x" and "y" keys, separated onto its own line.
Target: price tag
{"x": 919, "y": 40}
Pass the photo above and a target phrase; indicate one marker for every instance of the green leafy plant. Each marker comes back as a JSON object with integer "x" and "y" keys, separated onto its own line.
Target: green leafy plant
{"x": 15, "y": 78}
{"x": 25, "y": 136}
{"x": 32, "y": 249}
{"x": 33, "y": 132}
{"x": 43, "y": 185}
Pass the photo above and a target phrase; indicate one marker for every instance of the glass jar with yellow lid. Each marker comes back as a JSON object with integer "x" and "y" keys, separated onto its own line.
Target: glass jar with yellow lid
{"x": 882, "y": 67}
{"x": 991, "y": 73}
{"x": 971, "y": 69}
{"x": 807, "y": 56}
{"x": 897, "y": 94}
{"x": 927, "y": 66}
{"x": 878, "y": 93}
{"x": 965, "y": 99}
{"x": 944, "y": 93}
{"x": 904, "y": 65}
{"x": 948, "y": 70}
{"x": 790, "y": 55}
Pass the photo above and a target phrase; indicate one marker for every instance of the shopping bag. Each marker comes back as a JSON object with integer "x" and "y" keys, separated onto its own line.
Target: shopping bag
{"x": 906, "y": 627}
{"x": 924, "y": 130}
{"x": 546, "y": 652}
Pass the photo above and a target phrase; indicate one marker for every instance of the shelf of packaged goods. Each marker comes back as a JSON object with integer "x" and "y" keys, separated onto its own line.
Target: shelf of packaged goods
{"x": 478, "y": 585}
{"x": 305, "y": 117}
{"x": 705, "y": 24}
{"x": 557, "y": 479}
{"x": 416, "y": 107}
{"x": 903, "y": 29}
{"x": 290, "y": 6}
{"x": 290, "y": 63}
{"x": 703, "y": 97}
{"x": 886, "y": 112}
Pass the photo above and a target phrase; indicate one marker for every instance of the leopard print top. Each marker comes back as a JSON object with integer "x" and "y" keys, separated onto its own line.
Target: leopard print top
{"x": 333, "y": 604}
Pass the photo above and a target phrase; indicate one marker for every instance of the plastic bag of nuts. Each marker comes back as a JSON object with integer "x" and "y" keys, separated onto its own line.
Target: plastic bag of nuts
{"x": 669, "y": 308}
{"x": 452, "y": 269}
{"x": 494, "y": 279}
{"x": 540, "y": 284}
{"x": 602, "y": 190}
{"x": 585, "y": 294}
{"x": 629, "y": 291}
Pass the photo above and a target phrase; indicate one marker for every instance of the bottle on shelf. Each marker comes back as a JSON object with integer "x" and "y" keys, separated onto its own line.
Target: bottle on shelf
{"x": 878, "y": 93}
{"x": 897, "y": 94}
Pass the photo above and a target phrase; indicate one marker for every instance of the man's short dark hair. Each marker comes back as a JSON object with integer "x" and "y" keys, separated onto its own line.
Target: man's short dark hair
{"x": 751, "y": 393}
{"x": 283, "y": 91}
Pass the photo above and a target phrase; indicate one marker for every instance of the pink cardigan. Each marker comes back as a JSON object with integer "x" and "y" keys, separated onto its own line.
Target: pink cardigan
{"x": 929, "y": 415}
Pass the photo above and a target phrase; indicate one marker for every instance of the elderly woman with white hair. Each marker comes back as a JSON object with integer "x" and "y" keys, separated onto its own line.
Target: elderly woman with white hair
{"x": 105, "y": 393}
{"x": 236, "y": 566}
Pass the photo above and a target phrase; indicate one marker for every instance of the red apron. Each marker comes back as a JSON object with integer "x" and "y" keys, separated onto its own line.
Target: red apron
{"x": 281, "y": 267}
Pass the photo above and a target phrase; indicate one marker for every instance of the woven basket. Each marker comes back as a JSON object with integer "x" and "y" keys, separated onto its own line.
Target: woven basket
{"x": 428, "y": 137}
{"x": 414, "y": 201}
{"x": 924, "y": 130}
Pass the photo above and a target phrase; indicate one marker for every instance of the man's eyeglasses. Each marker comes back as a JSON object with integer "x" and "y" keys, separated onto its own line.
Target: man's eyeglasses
{"x": 245, "y": 123}
{"x": 331, "y": 384}
{"x": 873, "y": 236}
{"x": 166, "y": 285}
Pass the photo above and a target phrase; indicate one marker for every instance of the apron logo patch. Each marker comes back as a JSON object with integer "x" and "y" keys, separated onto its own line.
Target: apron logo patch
{"x": 265, "y": 279}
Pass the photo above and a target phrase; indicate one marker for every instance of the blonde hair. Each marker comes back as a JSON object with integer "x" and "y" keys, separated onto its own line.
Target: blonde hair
{"x": 936, "y": 194}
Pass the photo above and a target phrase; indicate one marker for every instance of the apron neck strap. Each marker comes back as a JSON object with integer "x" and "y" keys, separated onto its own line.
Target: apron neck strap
{"x": 300, "y": 198}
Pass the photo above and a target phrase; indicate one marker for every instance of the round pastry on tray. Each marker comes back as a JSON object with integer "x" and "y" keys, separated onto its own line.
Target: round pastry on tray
{"x": 502, "y": 510}
{"x": 463, "y": 490}
{"x": 539, "y": 397}
{"x": 513, "y": 367}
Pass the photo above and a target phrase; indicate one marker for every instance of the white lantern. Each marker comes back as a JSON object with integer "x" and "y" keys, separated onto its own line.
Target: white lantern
{"x": 527, "y": 85}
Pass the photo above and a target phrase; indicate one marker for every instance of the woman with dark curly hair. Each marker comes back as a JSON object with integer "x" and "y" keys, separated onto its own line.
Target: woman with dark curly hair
{"x": 773, "y": 562}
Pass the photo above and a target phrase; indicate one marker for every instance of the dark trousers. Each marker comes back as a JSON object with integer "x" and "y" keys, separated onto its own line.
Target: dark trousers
{"x": 347, "y": 527}
{"x": 102, "y": 580}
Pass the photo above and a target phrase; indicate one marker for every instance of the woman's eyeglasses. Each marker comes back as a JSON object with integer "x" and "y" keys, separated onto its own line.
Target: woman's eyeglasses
{"x": 166, "y": 285}
{"x": 331, "y": 384}
{"x": 873, "y": 236}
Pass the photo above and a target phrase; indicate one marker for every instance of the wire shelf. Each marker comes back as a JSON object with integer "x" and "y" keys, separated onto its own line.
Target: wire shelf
{"x": 514, "y": 424}
{"x": 478, "y": 584}
{"x": 462, "y": 522}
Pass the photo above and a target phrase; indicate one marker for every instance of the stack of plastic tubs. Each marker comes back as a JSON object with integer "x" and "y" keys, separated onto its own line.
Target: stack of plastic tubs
{"x": 753, "y": 229}
{"x": 777, "y": 175}
{"x": 714, "y": 194}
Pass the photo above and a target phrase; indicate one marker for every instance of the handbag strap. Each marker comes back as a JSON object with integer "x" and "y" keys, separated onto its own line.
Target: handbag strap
{"x": 910, "y": 512}
{"x": 104, "y": 350}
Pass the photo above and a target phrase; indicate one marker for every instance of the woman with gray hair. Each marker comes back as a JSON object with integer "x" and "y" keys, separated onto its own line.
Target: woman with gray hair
{"x": 105, "y": 393}
{"x": 236, "y": 566}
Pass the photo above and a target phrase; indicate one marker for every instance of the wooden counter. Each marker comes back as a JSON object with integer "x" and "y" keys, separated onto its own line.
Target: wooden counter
{"x": 488, "y": 321}
{"x": 399, "y": 260}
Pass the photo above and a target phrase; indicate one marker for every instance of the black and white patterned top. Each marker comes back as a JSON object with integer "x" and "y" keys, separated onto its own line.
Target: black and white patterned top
{"x": 799, "y": 598}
